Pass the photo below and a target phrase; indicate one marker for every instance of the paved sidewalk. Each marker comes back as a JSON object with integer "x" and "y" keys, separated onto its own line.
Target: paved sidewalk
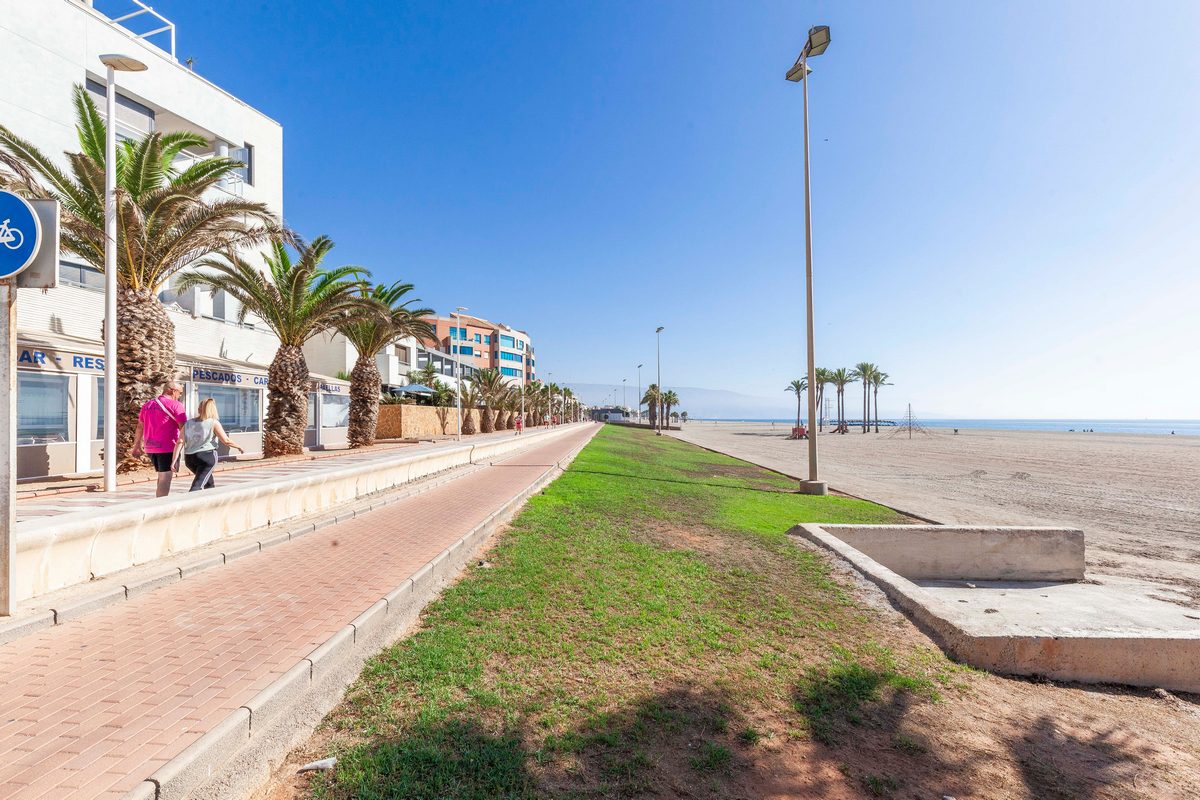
{"x": 90, "y": 708}
{"x": 256, "y": 472}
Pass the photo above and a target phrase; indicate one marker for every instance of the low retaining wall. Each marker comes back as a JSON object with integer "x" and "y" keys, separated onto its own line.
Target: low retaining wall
{"x": 401, "y": 421}
{"x": 969, "y": 553}
{"x": 56, "y": 552}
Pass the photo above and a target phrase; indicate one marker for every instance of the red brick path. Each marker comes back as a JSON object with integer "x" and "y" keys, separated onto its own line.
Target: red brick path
{"x": 90, "y": 708}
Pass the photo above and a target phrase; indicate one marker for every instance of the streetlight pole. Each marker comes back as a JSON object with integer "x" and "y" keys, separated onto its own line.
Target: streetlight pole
{"x": 658, "y": 347}
{"x": 458, "y": 367}
{"x": 818, "y": 40}
{"x": 624, "y": 402}
{"x": 549, "y": 402}
{"x": 114, "y": 63}
{"x": 639, "y": 397}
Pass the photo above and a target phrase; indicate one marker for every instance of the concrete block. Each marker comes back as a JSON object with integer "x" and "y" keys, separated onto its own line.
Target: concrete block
{"x": 241, "y": 551}
{"x": 368, "y": 623}
{"x": 165, "y": 578}
{"x": 400, "y": 598}
{"x": 328, "y": 656}
{"x": 199, "y": 565}
{"x": 302, "y": 530}
{"x": 439, "y": 566}
{"x": 80, "y": 607}
{"x": 277, "y": 697}
{"x": 202, "y": 759}
{"x": 146, "y": 790}
{"x": 422, "y": 577}
{"x": 15, "y": 630}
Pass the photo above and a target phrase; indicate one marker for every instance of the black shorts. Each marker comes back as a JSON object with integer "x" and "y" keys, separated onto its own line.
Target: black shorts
{"x": 161, "y": 461}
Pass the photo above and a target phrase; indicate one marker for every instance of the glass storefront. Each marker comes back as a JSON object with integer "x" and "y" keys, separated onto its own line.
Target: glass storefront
{"x": 43, "y": 408}
{"x": 335, "y": 411}
{"x": 239, "y": 408}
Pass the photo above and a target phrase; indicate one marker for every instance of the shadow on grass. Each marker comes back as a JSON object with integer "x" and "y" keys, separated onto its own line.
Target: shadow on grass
{"x": 681, "y": 480}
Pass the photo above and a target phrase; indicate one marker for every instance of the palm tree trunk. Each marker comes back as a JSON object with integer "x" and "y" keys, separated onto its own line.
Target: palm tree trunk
{"x": 866, "y": 412}
{"x": 287, "y": 398}
{"x": 797, "y": 409}
{"x": 486, "y": 420}
{"x": 877, "y": 409}
{"x": 821, "y": 408}
{"x": 145, "y": 361}
{"x": 365, "y": 386}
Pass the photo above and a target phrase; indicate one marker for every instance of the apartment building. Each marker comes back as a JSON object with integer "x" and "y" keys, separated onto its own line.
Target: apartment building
{"x": 480, "y": 344}
{"x": 48, "y": 47}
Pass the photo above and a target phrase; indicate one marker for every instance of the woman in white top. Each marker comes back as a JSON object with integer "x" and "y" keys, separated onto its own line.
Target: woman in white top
{"x": 200, "y": 436}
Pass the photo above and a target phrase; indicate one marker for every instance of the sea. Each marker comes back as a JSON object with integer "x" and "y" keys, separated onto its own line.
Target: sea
{"x": 1165, "y": 427}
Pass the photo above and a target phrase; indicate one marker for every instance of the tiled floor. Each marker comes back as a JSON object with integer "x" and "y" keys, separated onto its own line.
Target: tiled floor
{"x": 91, "y": 707}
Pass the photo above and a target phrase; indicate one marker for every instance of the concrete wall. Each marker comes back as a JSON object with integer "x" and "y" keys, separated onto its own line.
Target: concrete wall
{"x": 56, "y": 552}
{"x": 417, "y": 422}
{"x": 939, "y": 552}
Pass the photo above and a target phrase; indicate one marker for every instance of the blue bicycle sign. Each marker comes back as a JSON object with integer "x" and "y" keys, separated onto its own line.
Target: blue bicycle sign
{"x": 20, "y": 234}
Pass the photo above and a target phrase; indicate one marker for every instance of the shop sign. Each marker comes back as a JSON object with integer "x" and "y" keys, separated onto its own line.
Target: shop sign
{"x": 211, "y": 375}
{"x": 60, "y": 361}
{"x": 327, "y": 388}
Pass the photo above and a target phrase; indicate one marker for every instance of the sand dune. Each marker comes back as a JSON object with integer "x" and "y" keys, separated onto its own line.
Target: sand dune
{"x": 1136, "y": 497}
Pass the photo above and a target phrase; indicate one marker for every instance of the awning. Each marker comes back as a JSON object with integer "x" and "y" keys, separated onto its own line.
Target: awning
{"x": 416, "y": 388}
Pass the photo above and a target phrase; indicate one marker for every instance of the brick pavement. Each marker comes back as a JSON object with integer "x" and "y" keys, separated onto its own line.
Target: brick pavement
{"x": 90, "y": 708}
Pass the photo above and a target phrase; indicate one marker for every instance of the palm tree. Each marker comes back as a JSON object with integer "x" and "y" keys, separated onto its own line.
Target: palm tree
{"x": 427, "y": 376}
{"x": 841, "y": 378}
{"x": 669, "y": 399}
{"x": 877, "y": 380}
{"x": 489, "y": 384}
{"x": 683, "y": 415}
{"x": 469, "y": 400}
{"x": 387, "y": 318}
{"x": 297, "y": 299}
{"x": 799, "y": 386}
{"x": 568, "y": 401}
{"x": 824, "y": 378}
{"x": 533, "y": 403}
{"x": 863, "y": 372}
{"x": 164, "y": 224}
{"x": 651, "y": 399}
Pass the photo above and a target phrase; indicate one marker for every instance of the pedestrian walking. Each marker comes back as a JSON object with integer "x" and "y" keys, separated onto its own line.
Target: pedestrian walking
{"x": 200, "y": 436}
{"x": 519, "y": 425}
{"x": 157, "y": 434}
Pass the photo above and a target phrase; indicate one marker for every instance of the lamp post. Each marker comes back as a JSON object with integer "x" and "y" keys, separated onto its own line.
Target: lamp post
{"x": 658, "y": 412}
{"x": 818, "y": 40}
{"x": 639, "y": 396}
{"x": 458, "y": 367}
{"x": 624, "y": 402}
{"x": 549, "y": 401}
{"x": 114, "y": 62}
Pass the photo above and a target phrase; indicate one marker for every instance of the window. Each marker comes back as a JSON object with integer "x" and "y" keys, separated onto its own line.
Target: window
{"x": 507, "y": 341}
{"x": 246, "y": 156}
{"x": 520, "y": 344}
{"x": 510, "y": 372}
{"x": 218, "y": 301}
{"x": 98, "y": 404}
{"x": 507, "y": 356}
{"x": 487, "y": 340}
{"x": 335, "y": 411}
{"x": 238, "y": 408}
{"x": 80, "y": 275}
{"x": 311, "y": 423}
{"x": 478, "y": 338}
{"x": 402, "y": 354}
{"x": 454, "y": 333}
{"x": 42, "y": 403}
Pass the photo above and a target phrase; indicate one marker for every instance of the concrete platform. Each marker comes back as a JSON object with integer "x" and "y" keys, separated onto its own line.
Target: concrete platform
{"x": 1009, "y": 600}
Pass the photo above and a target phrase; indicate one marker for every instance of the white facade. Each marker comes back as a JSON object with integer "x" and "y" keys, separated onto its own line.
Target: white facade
{"x": 47, "y": 47}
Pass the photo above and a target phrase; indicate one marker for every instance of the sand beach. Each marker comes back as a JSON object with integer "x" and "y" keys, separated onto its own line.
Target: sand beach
{"x": 1136, "y": 497}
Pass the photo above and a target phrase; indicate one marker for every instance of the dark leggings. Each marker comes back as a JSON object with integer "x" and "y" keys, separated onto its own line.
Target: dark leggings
{"x": 201, "y": 464}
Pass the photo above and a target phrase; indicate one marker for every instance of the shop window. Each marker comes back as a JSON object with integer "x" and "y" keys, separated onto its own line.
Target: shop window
{"x": 80, "y": 275}
{"x": 98, "y": 404}
{"x": 311, "y": 424}
{"x": 238, "y": 408}
{"x": 335, "y": 411}
{"x": 43, "y": 401}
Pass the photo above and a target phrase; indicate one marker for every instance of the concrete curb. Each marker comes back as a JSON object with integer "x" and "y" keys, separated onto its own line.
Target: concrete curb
{"x": 269, "y": 537}
{"x": 237, "y": 755}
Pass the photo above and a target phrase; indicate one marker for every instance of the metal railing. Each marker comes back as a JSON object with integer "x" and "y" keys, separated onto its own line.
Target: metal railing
{"x": 142, "y": 11}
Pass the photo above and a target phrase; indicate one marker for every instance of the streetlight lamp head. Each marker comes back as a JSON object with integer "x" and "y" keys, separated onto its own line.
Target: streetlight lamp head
{"x": 660, "y": 329}
{"x": 122, "y": 63}
{"x": 818, "y": 40}
{"x": 798, "y": 71}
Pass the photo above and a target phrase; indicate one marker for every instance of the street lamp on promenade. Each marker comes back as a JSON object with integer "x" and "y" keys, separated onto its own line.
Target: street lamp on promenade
{"x": 818, "y": 40}
{"x": 457, "y": 349}
{"x": 549, "y": 401}
{"x": 115, "y": 63}
{"x": 658, "y": 412}
{"x": 624, "y": 402}
{"x": 639, "y": 396}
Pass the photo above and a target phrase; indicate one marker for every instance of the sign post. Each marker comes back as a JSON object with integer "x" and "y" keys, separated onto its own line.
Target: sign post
{"x": 20, "y": 238}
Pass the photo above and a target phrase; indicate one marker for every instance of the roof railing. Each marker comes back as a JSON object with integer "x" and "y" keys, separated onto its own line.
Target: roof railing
{"x": 144, "y": 10}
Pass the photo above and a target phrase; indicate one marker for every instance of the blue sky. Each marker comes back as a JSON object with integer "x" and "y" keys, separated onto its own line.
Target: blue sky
{"x": 1006, "y": 194}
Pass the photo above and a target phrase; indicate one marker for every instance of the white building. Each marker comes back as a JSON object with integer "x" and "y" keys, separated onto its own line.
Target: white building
{"x": 48, "y": 47}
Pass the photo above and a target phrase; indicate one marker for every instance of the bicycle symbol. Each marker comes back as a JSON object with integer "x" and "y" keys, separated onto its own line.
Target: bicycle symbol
{"x": 12, "y": 238}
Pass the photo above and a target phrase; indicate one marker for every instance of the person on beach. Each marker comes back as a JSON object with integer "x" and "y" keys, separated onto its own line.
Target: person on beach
{"x": 157, "y": 434}
{"x": 200, "y": 436}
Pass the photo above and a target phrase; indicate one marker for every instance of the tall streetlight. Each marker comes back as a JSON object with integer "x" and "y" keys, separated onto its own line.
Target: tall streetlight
{"x": 624, "y": 402}
{"x": 639, "y": 397}
{"x": 115, "y": 63}
{"x": 658, "y": 346}
{"x": 458, "y": 366}
{"x": 818, "y": 40}
{"x": 549, "y": 401}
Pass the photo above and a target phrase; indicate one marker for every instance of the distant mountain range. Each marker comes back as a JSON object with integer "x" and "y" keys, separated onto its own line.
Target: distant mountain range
{"x": 699, "y": 403}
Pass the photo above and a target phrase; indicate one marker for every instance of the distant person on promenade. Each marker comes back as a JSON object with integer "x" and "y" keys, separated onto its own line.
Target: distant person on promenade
{"x": 200, "y": 436}
{"x": 159, "y": 423}
{"x": 519, "y": 425}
